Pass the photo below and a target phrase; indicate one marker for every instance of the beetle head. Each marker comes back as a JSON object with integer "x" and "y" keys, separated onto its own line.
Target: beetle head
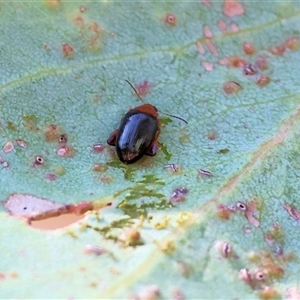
{"x": 148, "y": 109}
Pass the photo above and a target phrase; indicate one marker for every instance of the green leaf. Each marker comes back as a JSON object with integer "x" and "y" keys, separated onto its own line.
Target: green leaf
{"x": 165, "y": 229}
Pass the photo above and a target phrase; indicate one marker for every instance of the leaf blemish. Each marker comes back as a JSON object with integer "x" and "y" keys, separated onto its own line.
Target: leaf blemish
{"x": 8, "y": 147}
{"x": 224, "y": 212}
{"x": 98, "y": 148}
{"x": 21, "y": 143}
{"x": 171, "y": 19}
{"x": 63, "y": 139}
{"x": 38, "y": 161}
{"x": 178, "y": 195}
{"x": 224, "y": 248}
{"x": 143, "y": 88}
{"x": 54, "y": 4}
{"x": 261, "y": 63}
{"x": 204, "y": 173}
{"x": 173, "y": 167}
{"x": 248, "y": 48}
{"x": 249, "y": 69}
{"x": 212, "y": 48}
{"x": 65, "y": 151}
{"x": 207, "y": 32}
{"x": 207, "y": 65}
{"x": 51, "y": 177}
{"x": 231, "y": 87}
{"x": 67, "y": 50}
{"x": 200, "y": 48}
{"x": 263, "y": 80}
{"x": 100, "y": 167}
{"x": 93, "y": 249}
{"x": 222, "y": 26}
{"x": 232, "y": 8}
{"x": 82, "y": 8}
{"x": 52, "y": 133}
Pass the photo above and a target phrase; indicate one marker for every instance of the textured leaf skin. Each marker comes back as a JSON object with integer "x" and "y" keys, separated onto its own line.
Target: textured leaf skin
{"x": 64, "y": 65}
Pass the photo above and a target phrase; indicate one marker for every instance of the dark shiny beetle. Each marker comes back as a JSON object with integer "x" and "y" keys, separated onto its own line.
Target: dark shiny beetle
{"x": 138, "y": 133}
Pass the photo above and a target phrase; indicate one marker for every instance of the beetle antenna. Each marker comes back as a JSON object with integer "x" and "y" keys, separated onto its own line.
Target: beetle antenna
{"x": 179, "y": 118}
{"x": 135, "y": 91}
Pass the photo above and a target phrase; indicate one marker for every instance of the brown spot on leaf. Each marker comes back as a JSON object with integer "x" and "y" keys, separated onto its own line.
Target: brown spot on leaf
{"x": 212, "y": 134}
{"x": 143, "y": 88}
{"x": 82, "y": 8}
{"x": 232, "y": 8}
{"x": 38, "y": 160}
{"x": 79, "y": 21}
{"x": 67, "y": 50}
{"x": 171, "y": 19}
{"x": 52, "y": 133}
{"x": 248, "y": 48}
{"x": 21, "y": 143}
{"x": 262, "y": 63}
{"x": 65, "y": 151}
{"x": 80, "y": 208}
{"x": 292, "y": 43}
{"x": 268, "y": 293}
{"x": 277, "y": 50}
{"x": 224, "y": 212}
{"x": 63, "y": 139}
{"x": 292, "y": 211}
{"x": 11, "y": 125}
{"x": 236, "y": 62}
{"x": 98, "y": 148}
{"x": 106, "y": 179}
{"x": 54, "y": 4}
{"x": 263, "y": 80}
{"x": 100, "y": 167}
{"x": 30, "y": 122}
{"x": 231, "y": 87}
{"x": 8, "y": 147}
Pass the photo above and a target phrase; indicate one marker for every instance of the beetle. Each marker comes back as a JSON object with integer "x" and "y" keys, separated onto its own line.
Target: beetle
{"x": 138, "y": 132}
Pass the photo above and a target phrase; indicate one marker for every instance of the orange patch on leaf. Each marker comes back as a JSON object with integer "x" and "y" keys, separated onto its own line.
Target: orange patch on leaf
{"x": 232, "y": 8}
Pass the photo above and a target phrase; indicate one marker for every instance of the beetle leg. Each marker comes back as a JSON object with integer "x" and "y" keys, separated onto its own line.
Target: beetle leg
{"x": 152, "y": 149}
{"x": 112, "y": 138}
